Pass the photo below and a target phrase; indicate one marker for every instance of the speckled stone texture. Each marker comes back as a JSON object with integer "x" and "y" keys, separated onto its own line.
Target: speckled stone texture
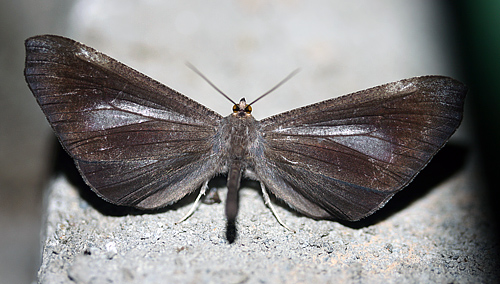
{"x": 441, "y": 237}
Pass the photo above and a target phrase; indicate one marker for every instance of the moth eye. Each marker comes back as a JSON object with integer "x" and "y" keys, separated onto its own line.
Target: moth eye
{"x": 235, "y": 108}
{"x": 248, "y": 109}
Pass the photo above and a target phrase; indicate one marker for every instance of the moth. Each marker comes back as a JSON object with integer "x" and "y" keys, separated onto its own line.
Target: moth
{"x": 137, "y": 142}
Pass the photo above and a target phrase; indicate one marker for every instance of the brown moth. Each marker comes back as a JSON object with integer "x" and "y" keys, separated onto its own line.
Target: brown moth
{"x": 136, "y": 142}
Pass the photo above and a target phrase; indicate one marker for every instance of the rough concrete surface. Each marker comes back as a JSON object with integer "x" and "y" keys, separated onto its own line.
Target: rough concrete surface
{"x": 439, "y": 238}
{"x": 434, "y": 231}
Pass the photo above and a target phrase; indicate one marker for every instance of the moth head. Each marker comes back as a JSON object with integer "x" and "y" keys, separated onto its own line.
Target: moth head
{"x": 242, "y": 109}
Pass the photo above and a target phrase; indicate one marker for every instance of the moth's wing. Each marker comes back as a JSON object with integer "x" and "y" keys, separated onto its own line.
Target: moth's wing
{"x": 135, "y": 141}
{"x": 344, "y": 158}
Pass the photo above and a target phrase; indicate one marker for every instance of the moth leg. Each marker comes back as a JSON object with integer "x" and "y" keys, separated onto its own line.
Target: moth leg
{"x": 212, "y": 196}
{"x": 203, "y": 189}
{"x": 267, "y": 201}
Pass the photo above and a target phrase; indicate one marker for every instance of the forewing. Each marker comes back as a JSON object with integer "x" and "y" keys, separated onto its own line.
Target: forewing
{"x": 344, "y": 158}
{"x": 135, "y": 141}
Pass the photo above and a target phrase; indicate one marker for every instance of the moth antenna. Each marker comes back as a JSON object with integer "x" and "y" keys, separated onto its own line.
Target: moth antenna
{"x": 294, "y": 72}
{"x": 191, "y": 66}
